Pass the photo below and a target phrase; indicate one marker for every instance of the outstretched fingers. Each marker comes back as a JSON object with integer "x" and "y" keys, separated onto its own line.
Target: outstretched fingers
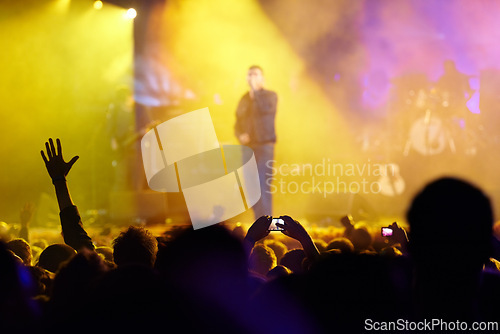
{"x": 59, "y": 147}
{"x": 43, "y": 157}
{"x": 52, "y": 148}
{"x": 49, "y": 153}
{"x": 56, "y": 166}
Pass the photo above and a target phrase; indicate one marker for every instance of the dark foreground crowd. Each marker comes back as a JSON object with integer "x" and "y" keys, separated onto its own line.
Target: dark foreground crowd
{"x": 221, "y": 280}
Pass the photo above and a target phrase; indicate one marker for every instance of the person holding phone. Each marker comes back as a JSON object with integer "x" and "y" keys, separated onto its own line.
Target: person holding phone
{"x": 284, "y": 224}
{"x": 255, "y": 127}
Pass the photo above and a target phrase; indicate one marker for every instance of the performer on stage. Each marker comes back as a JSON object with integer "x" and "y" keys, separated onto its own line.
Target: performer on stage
{"x": 255, "y": 118}
{"x": 454, "y": 90}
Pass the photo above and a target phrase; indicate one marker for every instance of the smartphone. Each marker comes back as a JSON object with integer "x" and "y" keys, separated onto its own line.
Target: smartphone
{"x": 273, "y": 226}
{"x": 386, "y": 231}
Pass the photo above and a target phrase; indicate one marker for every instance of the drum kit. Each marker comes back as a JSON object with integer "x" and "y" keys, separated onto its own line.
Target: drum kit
{"x": 440, "y": 123}
{"x": 427, "y": 121}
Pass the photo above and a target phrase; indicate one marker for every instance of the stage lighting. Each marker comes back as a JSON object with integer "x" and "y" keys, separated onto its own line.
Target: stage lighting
{"x": 131, "y": 13}
{"x": 98, "y": 4}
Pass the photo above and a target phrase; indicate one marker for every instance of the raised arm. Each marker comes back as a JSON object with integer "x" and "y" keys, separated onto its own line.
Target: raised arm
{"x": 258, "y": 230}
{"x": 399, "y": 236}
{"x": 295, "y": 230}
{"x": 73, "y": 232}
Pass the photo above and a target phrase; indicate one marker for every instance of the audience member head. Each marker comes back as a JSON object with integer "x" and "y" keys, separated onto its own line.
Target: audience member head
{"x": 320, "y": 245}
{"x": 40, "y": 243}
{"x": 136, "y": 245}
{"x": 129, "y": 299}
{"x": 17, "y": 312}
{"x": 71, "y": 290}
{"x": 293, "y": 260}
{"x": 22, "y": 249}
{"x": 450, "y": 223}
{"x": 105, "y": 252}
{"x": 54, "y": 255}
{"x": 202, "y": 250}
{"x": 450, "y": 240}
{"x": 74, "y": 276}
{"x": 262, "y": 259}
{"x": 278, "y": 247}
{"x": 361, "y": 239}
{"x": 343, "y": 244}
{"x": 391, "y": 252}
{"x": 278, "y": 271}
{"x": 42, "y": 280}
{"x": 207, "y": 269}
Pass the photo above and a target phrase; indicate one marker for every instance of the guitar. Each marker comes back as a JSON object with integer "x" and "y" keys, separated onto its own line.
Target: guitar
{"x": 391, "y": 182}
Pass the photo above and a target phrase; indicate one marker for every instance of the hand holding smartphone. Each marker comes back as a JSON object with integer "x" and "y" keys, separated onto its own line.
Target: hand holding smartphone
{"x": 273, "y": 226}
{"x": 386, "y": 232}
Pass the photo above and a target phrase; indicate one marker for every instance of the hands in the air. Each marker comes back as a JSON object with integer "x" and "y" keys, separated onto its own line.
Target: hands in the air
{"x": 398, "y": 236}
{"x": 398, "y": 233}
{"x": 293, "y": 229}
{"x": 26, "y": 213}
{"x": 54, "y": 162}
{"x": 259, "y": 229}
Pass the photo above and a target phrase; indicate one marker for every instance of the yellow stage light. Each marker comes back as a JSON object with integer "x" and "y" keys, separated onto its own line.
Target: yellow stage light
{"x": 131, "y": 13}
{"x": 98, "y": 4}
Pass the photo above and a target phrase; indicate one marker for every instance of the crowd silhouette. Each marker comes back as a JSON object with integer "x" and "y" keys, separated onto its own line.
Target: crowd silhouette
{"x": 226, "y": 279}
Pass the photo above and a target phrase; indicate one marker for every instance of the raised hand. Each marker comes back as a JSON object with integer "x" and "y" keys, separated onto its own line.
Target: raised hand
{"x": 54, "y": 162}
{"x": 259, "y": 229}
{"x": 399, "y": 236}
{"x": 293, "y": 229}
{"x": 26, "y": 213}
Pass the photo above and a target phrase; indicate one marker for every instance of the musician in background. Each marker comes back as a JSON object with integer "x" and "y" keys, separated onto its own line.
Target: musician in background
{"x": 255, "y": 118}
{"x": 453, "y": 90}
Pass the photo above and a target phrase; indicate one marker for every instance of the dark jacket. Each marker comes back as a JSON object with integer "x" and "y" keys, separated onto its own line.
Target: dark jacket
{"x": 256, "y": 117}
